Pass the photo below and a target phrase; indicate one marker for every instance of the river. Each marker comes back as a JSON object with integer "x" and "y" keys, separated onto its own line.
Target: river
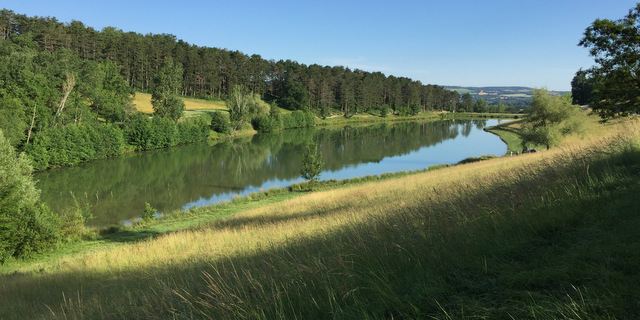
{"x": 205, "y": 173}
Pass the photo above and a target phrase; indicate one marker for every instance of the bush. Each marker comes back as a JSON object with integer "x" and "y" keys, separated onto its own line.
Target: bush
{"x": 26, "y": 225}
{"x": 163, "y": 132}
{"x": 298, "y": 119}
{"x": 265, "y": 124}
{"x": 73, "y": 221}
{"x": 384, "y": 110}
{"x": 192, "y": 130}
{"x": 149, "y": 212}
{"x": 220, "y": 123}
{"x": 137, "y": 131}
{"x": 74, "y": 144}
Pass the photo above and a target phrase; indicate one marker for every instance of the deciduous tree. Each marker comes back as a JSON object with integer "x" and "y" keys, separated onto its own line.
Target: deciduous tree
{"x": 312, "y": 163}
{"x": 615, "y": 45}
{"x": 26, "y": 225}
{"x": 168, "y": 83}
{"x": 549, "y": 119}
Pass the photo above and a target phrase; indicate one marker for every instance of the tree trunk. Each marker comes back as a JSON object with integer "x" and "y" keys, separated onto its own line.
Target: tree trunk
{"x": 66, "y": 90}
{"x": 33, "y": 119}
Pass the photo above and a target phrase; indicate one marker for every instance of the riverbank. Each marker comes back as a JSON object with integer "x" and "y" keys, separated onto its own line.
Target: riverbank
{"x": 364, "y": 119}
{"x": 417, "y": 246}
{"x": 509, "y": 133}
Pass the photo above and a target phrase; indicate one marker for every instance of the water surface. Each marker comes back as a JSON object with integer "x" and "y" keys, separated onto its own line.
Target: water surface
{"x": 201, "y": 174}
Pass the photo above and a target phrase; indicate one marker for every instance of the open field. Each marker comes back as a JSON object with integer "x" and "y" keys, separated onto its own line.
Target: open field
{"x": 552, "y": 234}
{"x": 142, "y": 102}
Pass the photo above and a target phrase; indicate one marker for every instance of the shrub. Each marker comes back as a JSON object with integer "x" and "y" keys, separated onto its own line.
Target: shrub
{"x": 149, "y": 212}
{"x": 73, "y": 144}
{"x": 26, "y": 225}
{"x": 73, "y": 221}
{"x": 265, "y": 124}
{"x": 384, "y": 110}
{"x": 220, "y": 123}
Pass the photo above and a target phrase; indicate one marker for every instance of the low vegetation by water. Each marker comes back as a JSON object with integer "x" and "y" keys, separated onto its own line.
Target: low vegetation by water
{"x": 545, "y": 235}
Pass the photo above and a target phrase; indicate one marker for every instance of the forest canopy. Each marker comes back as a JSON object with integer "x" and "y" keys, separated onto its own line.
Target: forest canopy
{"x": 213, "y": 72}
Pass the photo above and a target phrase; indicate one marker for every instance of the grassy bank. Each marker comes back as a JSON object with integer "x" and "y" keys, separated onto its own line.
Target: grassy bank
{"x": 546, "y": 235}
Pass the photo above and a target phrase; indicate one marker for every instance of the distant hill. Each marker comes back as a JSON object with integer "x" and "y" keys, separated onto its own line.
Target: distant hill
{"x": 519, "y": 97}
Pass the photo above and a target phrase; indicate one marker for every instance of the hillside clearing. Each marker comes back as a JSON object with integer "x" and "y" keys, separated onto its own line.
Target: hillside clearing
{"x": 142, "y": 102}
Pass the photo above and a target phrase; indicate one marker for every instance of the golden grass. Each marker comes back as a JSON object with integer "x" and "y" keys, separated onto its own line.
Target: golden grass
{"x": 142, "y": 102}
{"x": 306, "y": 216}
{"x": 280, "y": 223}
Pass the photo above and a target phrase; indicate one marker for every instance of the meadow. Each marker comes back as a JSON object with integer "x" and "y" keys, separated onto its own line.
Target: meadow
{"x": 545, "y": 235}
{"x": 142, "y": 102}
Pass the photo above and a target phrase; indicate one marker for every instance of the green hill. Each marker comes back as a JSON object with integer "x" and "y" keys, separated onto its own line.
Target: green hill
{"x": 519, "y": 97}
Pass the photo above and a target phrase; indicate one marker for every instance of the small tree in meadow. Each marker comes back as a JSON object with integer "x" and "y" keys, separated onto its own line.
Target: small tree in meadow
{"x": 149, "y": 212}
{"x": 312, "y": 164}
{"x": 549, "y": 119}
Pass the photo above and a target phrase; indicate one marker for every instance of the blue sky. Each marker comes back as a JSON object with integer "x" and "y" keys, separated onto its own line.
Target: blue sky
{"x": 445, "y": 42}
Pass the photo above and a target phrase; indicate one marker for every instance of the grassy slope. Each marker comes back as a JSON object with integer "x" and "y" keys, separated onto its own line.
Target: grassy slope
{"x": 534, "y": 236}
{"x": 142, "y": 102}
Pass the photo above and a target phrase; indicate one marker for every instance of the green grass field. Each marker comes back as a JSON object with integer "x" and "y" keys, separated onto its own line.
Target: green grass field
{"x": 551, "y": 235}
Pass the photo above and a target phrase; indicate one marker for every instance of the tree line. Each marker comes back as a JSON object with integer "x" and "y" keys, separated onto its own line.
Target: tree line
{"x": 213, "y": 72}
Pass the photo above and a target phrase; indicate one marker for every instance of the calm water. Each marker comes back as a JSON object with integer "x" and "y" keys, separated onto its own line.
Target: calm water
{"x": 202, "y": 174}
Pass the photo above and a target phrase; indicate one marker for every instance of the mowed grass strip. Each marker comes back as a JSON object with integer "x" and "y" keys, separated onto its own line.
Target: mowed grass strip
{"x": 142, "y": 102}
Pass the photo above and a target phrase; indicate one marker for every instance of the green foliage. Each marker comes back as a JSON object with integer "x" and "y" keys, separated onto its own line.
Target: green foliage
{"x": 298, "y": 119}
{"x": 238, "y": 104}
{"x": 27, "y": 227}
{"x": 107, "y": 91}
{"x": 466, "y": 103}
{"x": 162, "y": 132}
{"x": 192, "y": 129}
{"x": 438, "y": 166}
{"x": 480, "y": 106}
{"x": 220, "y": 123}
{"x": 74, "y": 144}
{"x": 410, "y": 110}
{"x": 312, "y": 163}
{"x": 384, "y": 110}
{"x": 582, "y": 88}
{"x": 476, "y": 159}
{"x": 12, "y": 120}
{"x": 137, "y": 131}
{"x": 206, "y": 72}
{"x": 616, "y": 77}
{"x": 73, "y": 222}
{"x": 147, "y": 134}
{"x": 549, "y": 119}
{"x": 149, "y": 212}
{"x": 168, "y": 82}
{"x": 294, "y": 96}
{"x": 265, "y": 124}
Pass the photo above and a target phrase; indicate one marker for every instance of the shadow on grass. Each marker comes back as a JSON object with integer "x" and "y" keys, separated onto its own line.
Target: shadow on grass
{"x": 130, "y": 235}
